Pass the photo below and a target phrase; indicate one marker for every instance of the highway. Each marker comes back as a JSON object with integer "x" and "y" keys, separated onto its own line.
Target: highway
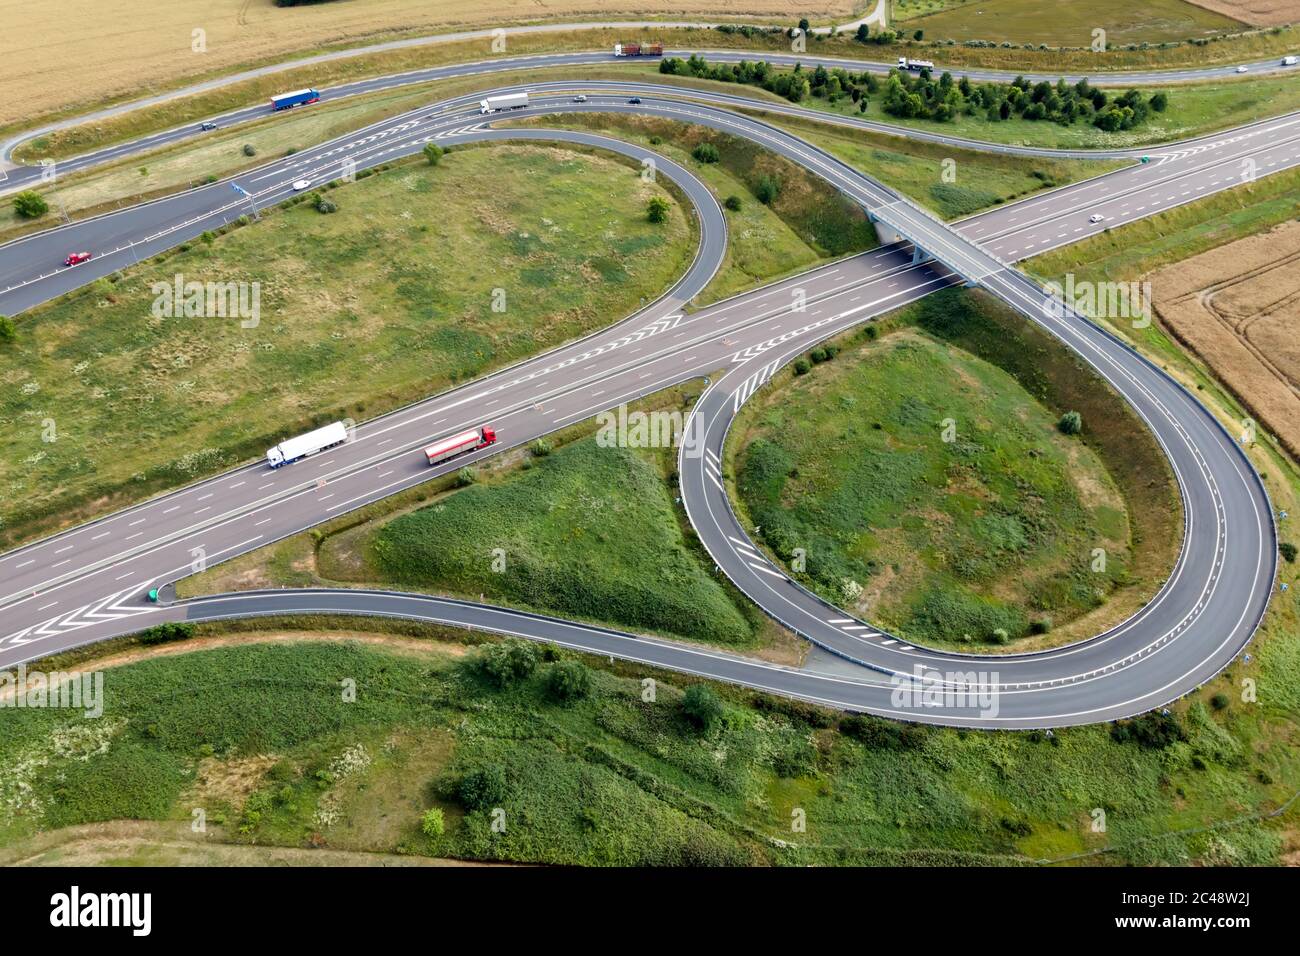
{"x": 86, "y": 584}
{"x": 1254, "y": 68}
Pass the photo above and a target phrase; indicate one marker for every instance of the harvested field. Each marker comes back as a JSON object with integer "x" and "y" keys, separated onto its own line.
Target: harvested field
{"x": 74, "y": 51}
{"x": 1238, "y": 308}
{"x": 1258, "y": 13}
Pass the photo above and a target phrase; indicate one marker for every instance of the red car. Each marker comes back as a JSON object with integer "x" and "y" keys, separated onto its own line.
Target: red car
{"x": 75, "y": 258}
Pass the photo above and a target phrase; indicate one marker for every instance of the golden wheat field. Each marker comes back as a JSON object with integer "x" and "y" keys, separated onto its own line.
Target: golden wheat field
{"x": 60, "y": 53}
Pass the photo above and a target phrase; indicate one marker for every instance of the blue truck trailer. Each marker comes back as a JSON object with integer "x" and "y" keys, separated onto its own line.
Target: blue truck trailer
{"x": 283, "y": 101}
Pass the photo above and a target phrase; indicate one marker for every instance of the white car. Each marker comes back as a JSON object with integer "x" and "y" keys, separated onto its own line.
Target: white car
{"x": 1096, "y": 217}
{"x": 580, "y": 98}
{"x": 1241, "y": 69}
{"x": 300, "y": 184}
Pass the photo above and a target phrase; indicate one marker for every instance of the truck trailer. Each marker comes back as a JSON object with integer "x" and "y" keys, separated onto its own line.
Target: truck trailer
{"x": 460, "y": 444}
{"x": 292, "y": 449}
{"x": 284, "y": 101}
{"x": 638, "y": 49}
{"x": 495, "y": 104}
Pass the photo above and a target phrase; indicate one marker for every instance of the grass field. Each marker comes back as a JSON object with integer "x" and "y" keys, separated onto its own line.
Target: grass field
{"x": 1070, "y": 22}
{"x": 952, "y": 535}
{"x": 609, "y": 777}
{"x": 143, "y": 403}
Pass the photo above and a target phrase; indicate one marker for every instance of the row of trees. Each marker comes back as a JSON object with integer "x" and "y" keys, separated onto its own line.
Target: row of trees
{"x": 922, "y": 96}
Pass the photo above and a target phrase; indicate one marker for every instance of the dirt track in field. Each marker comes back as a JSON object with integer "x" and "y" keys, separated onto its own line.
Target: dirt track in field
{"x": 1238, "y": 308}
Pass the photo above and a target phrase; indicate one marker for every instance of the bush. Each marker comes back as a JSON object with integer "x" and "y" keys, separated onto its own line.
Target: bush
{"x": 29, "y": 204}
{"x": 1286, "y": 548}
{"x": 466, "y": 477}
{"x": 1153, "y": 731}
{"x": 1071, "y": 423}
{"x": 1041, "y": 626}
{"x": 1219, "y": 701}
{"x": 432, "y": 153}
{"x": 706, "y": 153}
{"x": 249, "y": 150}
{"x": 166, "y": 633}
{"x": 701, "y": 706}
{"x": 733, "y": 203}
{"x": 509, "y": 662}
{"x": 657, "y": 209}
{"x": 568, "y": 681}
{"x": 802, "y": 366}
{"x": 8, "y": 331}
{"x": 542, "y": 447}
{"x": 766, "y": 190}
{"x": 483, "y": 789}
{"x": 432, "y": 823}
{"x": 326, "y": 206}
{"x": 999, "y": 635}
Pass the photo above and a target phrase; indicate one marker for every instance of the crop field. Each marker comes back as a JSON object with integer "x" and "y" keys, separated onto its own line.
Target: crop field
{"x": 1258, "y": 13}
{"x": 403, "y": 271}
{"x": 131, "y": 46}
{"x": 1238, "y": 309}
{"x": 1071, "y": 22}
{"x": 589, "y": 771}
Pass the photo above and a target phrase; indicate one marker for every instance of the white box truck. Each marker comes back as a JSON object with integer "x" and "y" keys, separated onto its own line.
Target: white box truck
{"x": 1290, "y": 60}
{"x": 292, "y": 449}
{"x": 511, "y": 101}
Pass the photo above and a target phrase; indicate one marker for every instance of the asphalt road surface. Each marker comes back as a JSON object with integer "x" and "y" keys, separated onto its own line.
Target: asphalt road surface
{"x": 87, "y": 583}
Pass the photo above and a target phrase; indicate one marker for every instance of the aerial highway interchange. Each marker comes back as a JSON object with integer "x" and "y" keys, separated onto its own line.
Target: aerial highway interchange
{"x": 90, "y": 582}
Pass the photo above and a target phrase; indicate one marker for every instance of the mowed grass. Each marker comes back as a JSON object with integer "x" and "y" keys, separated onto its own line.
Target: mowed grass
{"x": 387, "y": 300}
{"x": 259, "y": 735}
{"x": 587, "y": 532}
{"x": 937, "y": 483}
{"x": 1067, "y": 22}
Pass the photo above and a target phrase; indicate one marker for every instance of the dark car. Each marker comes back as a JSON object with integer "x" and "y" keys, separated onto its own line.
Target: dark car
{"x": 635, "y": 99}
{"x": 207, "y": 126}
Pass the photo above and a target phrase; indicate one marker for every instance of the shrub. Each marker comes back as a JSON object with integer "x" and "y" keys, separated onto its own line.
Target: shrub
{"x": 508, "y": 662}
{"x": 29, "y": 204}
{"x": 657, "y": 209}
{"x": 482, "y": 789}
{"x": 1219, "y": 701}
{"x": 766, "y": 190}
{"x": 542, "y": 447}
{"x": 249, "y": 150}
{"x": 432, "y": 823}
{"x": 165, "y": 633}
{"x": 1041, "y": 626}
{"x": 802, "y": 366}
{"x": 706, "y": 153}
{"x": 701, "y": 706}
{"x": 432, "y": 153}
{"x": 1286, "y": 548}
{"x": 733, "y": 203}
{"x": 326, "y": 206}
{"x": 1071, "y": 423}
{"x": 8, "y": 331}
{"x": 568, "y": 681}
{"x": 1154, "y": 731}
{"x": 999, "y": 635}
{"x": 466, "y": 477}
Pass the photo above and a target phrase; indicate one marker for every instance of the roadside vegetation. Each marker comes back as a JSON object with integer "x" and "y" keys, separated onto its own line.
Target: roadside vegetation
{"x": 404, "y": 271}
{"x": 953, "y": 475}
{"x": 576, "y": 763}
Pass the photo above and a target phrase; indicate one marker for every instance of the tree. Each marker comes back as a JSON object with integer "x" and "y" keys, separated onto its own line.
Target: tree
{"x": 432, "y": 823}
{"x": 657, "y": 209}
{"x": 29, "y": 204}
{"x": 733, "y": 203}
{"x": 706, "y": 153}
{"x": 8, "y": 331}
{"x": 568, "y": 681}
{"x": 1160, "y": 102}
{"x": 701, "y": 706}
{"x": 863, "y": 33}
{"x": 432, "y": 153}
{"x": 1071, "y": 423}
{"x": 766, "y": 190}
{"x": 483, "y": 789}
{"x": 1288, "y": 551}
{"x": 804, "y": 24}
{"x": 508, "y": 662}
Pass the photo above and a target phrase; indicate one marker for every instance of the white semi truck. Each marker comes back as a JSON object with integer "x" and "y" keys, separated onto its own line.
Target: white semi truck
{"x": 908, "y": 64}
{"x": 511, "y": 101}
{"x": 292, "y": 449}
